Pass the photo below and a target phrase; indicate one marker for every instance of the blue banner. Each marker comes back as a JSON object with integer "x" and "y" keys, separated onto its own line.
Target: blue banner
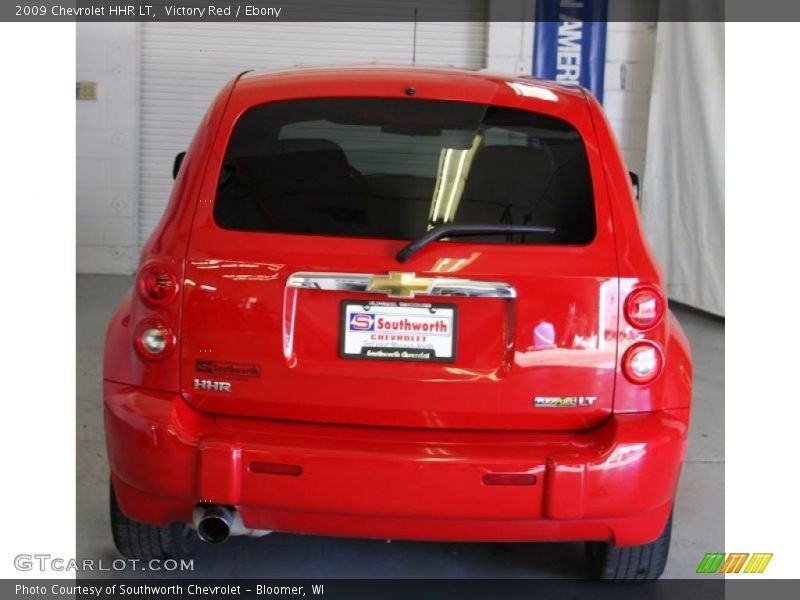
{"x": 570, "y": 42}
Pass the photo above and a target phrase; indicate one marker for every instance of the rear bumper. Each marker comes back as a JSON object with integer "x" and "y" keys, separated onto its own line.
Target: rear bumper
{"x": 614, "y": 483}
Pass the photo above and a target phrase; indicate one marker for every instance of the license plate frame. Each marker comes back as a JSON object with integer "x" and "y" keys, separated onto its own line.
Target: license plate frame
{"x": 400, "y": 350}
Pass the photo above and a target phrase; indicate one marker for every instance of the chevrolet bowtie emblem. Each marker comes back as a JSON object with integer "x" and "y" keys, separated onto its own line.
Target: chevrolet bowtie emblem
{"x": 399, "y": 285}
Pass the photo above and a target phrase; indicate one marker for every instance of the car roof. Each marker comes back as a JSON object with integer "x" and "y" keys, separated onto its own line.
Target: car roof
{"x": 401, "y": 75}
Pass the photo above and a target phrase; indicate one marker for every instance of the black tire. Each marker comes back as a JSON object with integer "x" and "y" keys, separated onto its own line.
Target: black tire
{"x": 147, "y": 542}
{"x": 631, "y": 563}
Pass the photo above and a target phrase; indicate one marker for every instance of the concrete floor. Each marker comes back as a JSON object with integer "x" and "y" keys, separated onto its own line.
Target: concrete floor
{"x": 699, "y": 512}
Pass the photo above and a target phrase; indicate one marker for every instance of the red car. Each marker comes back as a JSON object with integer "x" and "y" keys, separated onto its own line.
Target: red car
{"x": 399, "y": 303}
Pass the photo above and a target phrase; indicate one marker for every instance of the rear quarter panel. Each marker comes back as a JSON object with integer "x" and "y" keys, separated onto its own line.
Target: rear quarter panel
{"x": 167, "y": 244}
{"x": 637, "y": 264}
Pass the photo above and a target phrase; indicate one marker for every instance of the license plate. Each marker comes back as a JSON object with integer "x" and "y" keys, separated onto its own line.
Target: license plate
{"x": 408, "y": 331}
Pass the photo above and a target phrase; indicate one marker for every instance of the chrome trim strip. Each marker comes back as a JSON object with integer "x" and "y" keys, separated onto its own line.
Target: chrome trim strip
{"x": 440, "y": 286}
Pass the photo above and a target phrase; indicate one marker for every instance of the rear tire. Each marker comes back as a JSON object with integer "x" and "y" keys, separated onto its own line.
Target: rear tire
{"x": 147, "y": 542}
{"x": 631, "y": 563}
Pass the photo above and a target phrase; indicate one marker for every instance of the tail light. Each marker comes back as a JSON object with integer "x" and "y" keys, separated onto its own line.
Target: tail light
{"x": 154, "y": 335}
{"x": 645, "y": 307}
{"x": 642, "y": 362}
{"x": 157, "y": 284}
{"x": 154, "y": 339}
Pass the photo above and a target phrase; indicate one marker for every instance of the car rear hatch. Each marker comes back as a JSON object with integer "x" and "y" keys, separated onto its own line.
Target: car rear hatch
{"x": 296, "y": 306}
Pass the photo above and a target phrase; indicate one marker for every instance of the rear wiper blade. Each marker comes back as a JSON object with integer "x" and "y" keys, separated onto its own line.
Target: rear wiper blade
{"x": 456, "y": 230}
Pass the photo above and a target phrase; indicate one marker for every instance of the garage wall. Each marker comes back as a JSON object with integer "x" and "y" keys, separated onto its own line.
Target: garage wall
{"x": 630, "y": 55}
{"x": 107, "y": 148}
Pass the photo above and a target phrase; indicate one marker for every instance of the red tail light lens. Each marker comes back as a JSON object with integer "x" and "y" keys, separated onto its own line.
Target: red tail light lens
{"x": 158, "y": 285}
{"x": 642, "y": 362}
{"x": 153, "y": 339}
{"x": 644, "y": 307}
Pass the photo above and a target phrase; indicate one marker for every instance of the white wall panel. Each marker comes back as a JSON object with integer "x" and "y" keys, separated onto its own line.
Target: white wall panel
{"x": 683, "y": 196}
{"x": 630, "y": 52}
{"x": 107, "y": 148}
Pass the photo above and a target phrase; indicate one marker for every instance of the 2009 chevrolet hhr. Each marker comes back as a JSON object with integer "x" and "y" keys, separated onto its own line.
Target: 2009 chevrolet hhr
{"x": 399, "y": 303}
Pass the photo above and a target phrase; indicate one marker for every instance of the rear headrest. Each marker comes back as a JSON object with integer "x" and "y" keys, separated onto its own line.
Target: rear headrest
{"x": 298, "y": 165}
{"x": 515, "y": 175}
{"x": 305, "y": 145}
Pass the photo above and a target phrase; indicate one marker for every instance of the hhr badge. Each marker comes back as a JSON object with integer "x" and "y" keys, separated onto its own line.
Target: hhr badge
{"x": 563, "y": 401}
{"x": 212, "y": 386}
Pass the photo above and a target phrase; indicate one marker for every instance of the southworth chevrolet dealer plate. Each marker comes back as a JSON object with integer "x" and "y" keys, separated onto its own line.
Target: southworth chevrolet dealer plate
{"x": 408, "y": 331}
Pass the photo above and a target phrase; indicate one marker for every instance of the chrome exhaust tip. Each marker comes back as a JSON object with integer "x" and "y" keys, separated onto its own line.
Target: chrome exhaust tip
{"x": 214, "y": 524}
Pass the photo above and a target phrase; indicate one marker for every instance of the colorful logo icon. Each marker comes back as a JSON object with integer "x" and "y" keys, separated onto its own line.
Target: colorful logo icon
{"x": 734, "y": 562}
{"x": 362, "y": 322}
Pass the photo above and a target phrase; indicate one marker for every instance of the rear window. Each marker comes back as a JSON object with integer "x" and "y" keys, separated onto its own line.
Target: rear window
{"x": 396, "y": 168}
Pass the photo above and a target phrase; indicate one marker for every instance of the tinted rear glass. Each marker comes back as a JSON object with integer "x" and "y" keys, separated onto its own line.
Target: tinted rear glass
{"x": 389, "y": 168}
